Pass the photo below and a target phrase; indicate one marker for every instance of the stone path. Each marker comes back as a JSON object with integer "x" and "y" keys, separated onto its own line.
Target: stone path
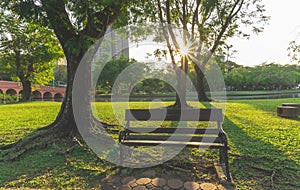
{"x": 115, "y": 182}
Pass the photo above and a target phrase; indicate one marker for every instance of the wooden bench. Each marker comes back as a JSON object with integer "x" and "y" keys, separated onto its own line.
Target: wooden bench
{"x": 194, "y": 137}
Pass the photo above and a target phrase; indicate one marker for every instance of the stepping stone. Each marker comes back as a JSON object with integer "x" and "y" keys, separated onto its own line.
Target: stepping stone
{"x": 143, "y": 181}
{"x": 132, "y": 184}
{"x": 208, "y": 186}
{"x": 175, "y": 183}
{"x": 140, "y": 188}
{"x": 127, "y": 180}
{"x": 125, "y": 187}
{"x": 149, "y": 186}
{"x": 159, "y": 182}
{"x": 191, "y": 185}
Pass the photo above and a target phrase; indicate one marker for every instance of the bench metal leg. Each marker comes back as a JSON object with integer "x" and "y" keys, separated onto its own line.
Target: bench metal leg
{"x": 221, "y": 156}
{"x": 224, "y": 160}
{"x": 121, "y": 155}
{"x": 227, "y": 164}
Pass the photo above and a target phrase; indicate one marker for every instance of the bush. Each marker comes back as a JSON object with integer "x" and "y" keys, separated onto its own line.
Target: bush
{"x": 9, "y": 98}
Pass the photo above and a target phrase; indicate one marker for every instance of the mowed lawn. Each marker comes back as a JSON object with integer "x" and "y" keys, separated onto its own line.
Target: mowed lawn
{"x": 265, "y": 149}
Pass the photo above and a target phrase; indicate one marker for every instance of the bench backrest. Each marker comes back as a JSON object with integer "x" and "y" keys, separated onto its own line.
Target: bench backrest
{"x": 174, "y": 115}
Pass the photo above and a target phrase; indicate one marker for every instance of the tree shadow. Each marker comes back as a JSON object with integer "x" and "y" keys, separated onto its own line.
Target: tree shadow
{"x": 255, "y": 162}
{"x": 56, "y": 167}
{"x": 258, "y": 163}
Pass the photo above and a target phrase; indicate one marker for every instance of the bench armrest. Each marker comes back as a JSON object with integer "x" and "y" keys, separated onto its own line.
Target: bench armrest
{"x": 223, "y": 137}
{"x": 122, "y": 135}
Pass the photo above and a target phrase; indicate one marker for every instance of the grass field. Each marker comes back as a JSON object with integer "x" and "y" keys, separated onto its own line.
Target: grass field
{"x": 265, "y": 149}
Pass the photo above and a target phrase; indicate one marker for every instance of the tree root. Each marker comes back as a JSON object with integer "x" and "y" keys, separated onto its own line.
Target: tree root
{"x": 272, "y": 177}
{"x": 45, "y": 136}
{"x": 39, "y": 139}
{"x": 16, "y": 154}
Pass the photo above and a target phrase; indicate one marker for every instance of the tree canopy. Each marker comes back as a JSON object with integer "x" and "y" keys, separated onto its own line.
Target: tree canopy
{"x": 77, "y": 25}
{"x": 206, "y": 24}
{"x": 266, "y": 76}
{"x": 28, "y": 51}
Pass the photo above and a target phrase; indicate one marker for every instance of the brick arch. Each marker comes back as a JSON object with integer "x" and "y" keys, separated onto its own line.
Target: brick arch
{"x": 58, "y": 97}
{"x": 11, "y": 92}
{"x": 47, "y": 96}
{"x": 1, "y": 91}
{"x": 36, "y": 95}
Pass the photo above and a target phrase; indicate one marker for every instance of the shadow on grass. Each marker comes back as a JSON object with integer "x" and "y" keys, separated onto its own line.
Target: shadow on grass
{"x": 254, "y": 162}
{"x": 259, "y": 164}
{"x": 55, "y": 167}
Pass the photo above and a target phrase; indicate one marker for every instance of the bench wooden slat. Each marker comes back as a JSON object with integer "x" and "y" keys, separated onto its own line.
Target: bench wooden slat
{"x": 174, "y": 115}
{"x": 171, "y": 143}
{"x": 174, "y": 138}
{"x": 179, "y": 130}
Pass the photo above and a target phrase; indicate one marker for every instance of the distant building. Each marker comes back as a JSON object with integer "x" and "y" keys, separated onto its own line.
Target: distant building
{"x": 115, "y": 45}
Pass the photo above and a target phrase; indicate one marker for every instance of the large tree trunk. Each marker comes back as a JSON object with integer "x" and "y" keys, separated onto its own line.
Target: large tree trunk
{"x": 181, "y": 74}
{"x": 200, "y": 79}
{"x": 65, "y": 121}
{"x": 78, "y": 91}
{"x": 26, "y": 93}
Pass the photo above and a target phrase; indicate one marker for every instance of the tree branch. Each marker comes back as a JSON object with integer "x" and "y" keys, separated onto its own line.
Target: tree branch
{"x": 165, "y": 34}
{"x": 105, "y": 18}
{"x": 228, "y": 19}
{"x": 178, "y": 8}
{"x": 195, "y": 17}
{"x": 59, "y": 20}
{"x": 169, "y": 24}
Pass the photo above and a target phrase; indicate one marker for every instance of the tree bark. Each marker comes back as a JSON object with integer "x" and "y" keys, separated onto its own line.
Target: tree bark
{"x": 65, "y": 121}
{"x": 26, "y": 93}
{"x": 200, "y": 79}
{"x": 181, "y": 73}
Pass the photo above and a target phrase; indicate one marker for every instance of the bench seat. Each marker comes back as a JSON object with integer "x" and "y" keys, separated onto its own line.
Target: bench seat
{"x": 171, "y": 143}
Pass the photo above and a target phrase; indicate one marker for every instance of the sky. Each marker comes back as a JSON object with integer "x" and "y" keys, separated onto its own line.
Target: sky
{"x": 271, "y": 45}
{"x": 268, "y": 46}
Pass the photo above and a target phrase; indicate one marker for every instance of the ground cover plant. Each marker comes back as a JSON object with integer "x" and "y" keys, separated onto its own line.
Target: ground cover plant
{"x": 264, "y": 151}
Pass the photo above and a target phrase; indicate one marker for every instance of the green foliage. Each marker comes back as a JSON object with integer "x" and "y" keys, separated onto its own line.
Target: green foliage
{"x": 60, "y": 73}
{"x": 28, "y": 51}
{"x": 76, "y": 24}
{"x": 9, "y": 98}
{"x": 293, "y": 51}
{"x": 266, "y": 76}
{"x": 112, "y": 71}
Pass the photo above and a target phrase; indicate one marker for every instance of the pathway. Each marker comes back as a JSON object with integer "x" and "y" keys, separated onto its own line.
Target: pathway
{"x": 115, "y": 182}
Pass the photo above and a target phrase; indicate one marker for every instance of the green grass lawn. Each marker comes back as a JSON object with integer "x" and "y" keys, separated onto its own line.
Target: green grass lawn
{"x": 265, "y": 149}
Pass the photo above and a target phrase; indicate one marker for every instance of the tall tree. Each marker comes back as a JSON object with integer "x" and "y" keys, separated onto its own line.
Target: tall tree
{"x": 210, "y": 22}
{"x": 77, "y": 25}
{"x": 28, "y": 51}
